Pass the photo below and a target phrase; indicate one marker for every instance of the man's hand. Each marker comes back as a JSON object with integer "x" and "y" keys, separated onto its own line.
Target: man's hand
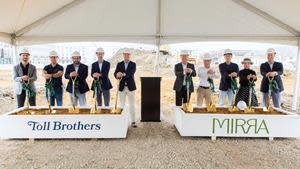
{"x": 47, "y": 76}
{"x": 271, "y": 74}
{"x": 58, "y": 74}
{"x": 25, "y": 78}
{"x": 188, "y": 70}
{"x": 97, "y": 75}
{"x": 233, "y": 74}
{"x": 210, "y": 71}
{"x": 119, "y": 75}
{"x": 73, "y": 74}
{"x": 249, "y": 77}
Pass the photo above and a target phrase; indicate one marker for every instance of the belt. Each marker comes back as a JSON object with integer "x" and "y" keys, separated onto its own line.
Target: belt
{"x": 203, "y": 87}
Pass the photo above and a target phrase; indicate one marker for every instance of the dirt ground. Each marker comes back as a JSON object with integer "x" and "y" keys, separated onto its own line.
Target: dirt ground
{"x": 151, "y": 145}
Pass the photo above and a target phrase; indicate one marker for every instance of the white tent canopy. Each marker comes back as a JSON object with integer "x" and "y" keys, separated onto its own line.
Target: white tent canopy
{"x": 26, "y": 22}
{"x": 146, "y": 21}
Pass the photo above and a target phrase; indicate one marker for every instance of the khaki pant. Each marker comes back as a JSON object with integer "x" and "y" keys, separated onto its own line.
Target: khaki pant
{"x": 203, "y": 94}
{"x": 131, "y": 102}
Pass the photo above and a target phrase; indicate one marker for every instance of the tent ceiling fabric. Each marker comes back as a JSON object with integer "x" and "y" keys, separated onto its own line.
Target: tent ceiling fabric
{"x": 136, "y": 20}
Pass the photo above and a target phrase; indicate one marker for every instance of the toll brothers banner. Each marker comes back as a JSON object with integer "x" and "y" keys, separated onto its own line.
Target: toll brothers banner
{"x": 237, "y": 125}
{"x": 64, "y": 126}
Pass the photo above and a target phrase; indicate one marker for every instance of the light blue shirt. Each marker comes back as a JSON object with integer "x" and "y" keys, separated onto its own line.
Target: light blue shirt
{"x": 126, "y": 64}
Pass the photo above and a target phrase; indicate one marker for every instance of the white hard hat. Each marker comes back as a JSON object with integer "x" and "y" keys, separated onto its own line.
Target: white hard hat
{"x": 53, "y": 53}
{"x": 76, "y": 53}
{"x": 184, "y": 52}
{"x": 271, "y": 50}
{"x": 206, "y": 56}
{"x": 126, "y": 50}
{"x": 100, "y": 50}
{"x": 24, "y": 51}
{"x": 241, "y": 105}
{"x": 227, "y": 51}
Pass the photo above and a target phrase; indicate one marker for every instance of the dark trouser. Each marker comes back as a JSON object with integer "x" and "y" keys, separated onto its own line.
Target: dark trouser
{"x": 22, "y": 97}
{"x": 106, "y": 96}
{"x": 59, "y": 99}
{"x": 181, "y": 96}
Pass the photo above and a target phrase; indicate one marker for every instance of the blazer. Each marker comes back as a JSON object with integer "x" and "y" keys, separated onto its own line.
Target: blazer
{"x": 180, "y": 76}
{"x": 81, "y": 79}
{"x": 18, "y": 72}
{"x": 105, "y": 82}
{"x": 128, "y": 80}
{"x": 225, "y": 70}
{"x": 264, "y": 69}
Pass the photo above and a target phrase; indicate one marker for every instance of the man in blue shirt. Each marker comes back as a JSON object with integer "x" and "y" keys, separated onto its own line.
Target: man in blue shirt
{"x": 229, "y": 72}
{"x": 53, "y": 74}
{"x": 100, "y": 71}
{"x": 271, "y": 72}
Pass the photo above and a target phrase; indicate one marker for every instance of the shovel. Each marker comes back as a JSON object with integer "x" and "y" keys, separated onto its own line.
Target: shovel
{"x": 233, "y": 108}
{"x": 73, "y": 108}
{"x": 249, "y": 109}
{"x": 188, "y": 107}
{"x": 48, "y": 97}
{"x": 117, "y": 110}
{"x": 27, "y": 106}
{"x": 95, "y": 96}
{"x": 211, "y": 107}
{"x": 270, "y": 107}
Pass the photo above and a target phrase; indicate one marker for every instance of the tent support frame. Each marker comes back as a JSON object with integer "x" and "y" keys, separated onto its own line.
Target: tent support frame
{"x": 296, "y": 81}
{"x": 49, "y": 16}
{"x": 267, "y": 17}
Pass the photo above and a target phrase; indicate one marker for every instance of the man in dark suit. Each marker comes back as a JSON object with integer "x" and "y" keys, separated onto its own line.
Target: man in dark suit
{"x": 125, "y": 71}
{"x": 228, "y": 71}
{"x": 183, "y": 71}
{"x": 100, "y": 70}
{"x": 270, "y": 70}
{"x": 78, "y": 72}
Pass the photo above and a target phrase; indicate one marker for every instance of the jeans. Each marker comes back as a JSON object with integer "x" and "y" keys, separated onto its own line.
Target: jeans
{"x": 276, "y": 99}
{"x": 59, "y": 99}
{"x": 22, "y": 97}
{"x": 106, "y": 97}
{"x": 78, "y": 97}
{"x": 223, "y": 94}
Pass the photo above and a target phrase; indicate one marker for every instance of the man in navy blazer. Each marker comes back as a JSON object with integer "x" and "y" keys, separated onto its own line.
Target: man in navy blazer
{"x": 125, "y": 71}
{"x": 100, "y": 70}
{"x": 78, "y": 71}
{"x": 269, "y": 70}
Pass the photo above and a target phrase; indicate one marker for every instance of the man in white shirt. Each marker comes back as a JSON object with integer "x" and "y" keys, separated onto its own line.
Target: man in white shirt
{"x": 206, "y": 73}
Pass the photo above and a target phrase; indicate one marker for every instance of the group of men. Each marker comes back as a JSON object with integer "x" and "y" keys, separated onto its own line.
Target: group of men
{"x": 25, "y": 75}
{"x": 271, "y": 84}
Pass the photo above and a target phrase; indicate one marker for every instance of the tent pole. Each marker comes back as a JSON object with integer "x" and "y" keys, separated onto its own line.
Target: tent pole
{"x": 14, "y": 49}
{"x": 158, "y": 37}
{"x": 296, "y": 81}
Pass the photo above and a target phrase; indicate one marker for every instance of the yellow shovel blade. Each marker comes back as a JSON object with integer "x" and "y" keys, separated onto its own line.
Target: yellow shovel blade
{"x": 233, "y": 109}
{"x": 72, "y": 110}
{"x": 116, "y": 111}
{"x": 249, "y": 110}
{"x": 211, "y": 108}
{"x": 188, "y": 107}
{"x": 270, "y": 109}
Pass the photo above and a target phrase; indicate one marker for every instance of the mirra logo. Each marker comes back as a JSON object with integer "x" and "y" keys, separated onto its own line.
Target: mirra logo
{"x": 240, "y": 126}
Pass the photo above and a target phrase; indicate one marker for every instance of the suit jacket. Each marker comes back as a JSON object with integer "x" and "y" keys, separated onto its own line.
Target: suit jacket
{"x": 264, "y": 69}
{"x": 180, "y": 76}
{"x": 225, "y": 70}
{"x": 18, "y": 72}
{"x": 128, "y": 80}
{"x": 81, "y": 79}
{"x": 105, "y": 82}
